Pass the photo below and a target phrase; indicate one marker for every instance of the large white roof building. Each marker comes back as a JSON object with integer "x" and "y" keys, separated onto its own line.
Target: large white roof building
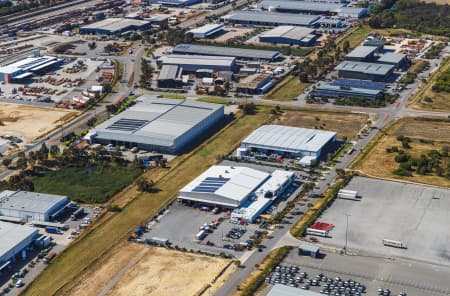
{"x": 13, "y": 239}
{"x": 294, "y": 141}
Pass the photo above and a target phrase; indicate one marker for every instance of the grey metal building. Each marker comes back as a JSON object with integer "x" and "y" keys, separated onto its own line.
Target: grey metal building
{"x": 31, "y": 205}
{"x": 192, "y": 63}
{"x": 289, "y": 141}
{"x": 283, "y": 290}
{"x": 14, "y": 240}
{"x": 398, "y": 60}
{"x": 291, "y": 35}
{"x": 263, "y": 18}
{"x": 157, "y": 124}
{"x": 367, "y": 71}
{"x": 293, "y": 6}
{"x": 362, "y": 54}
{"x": 239, "y": 53}
{"x": 111, "y": 26}
{"x": 336, "y": 91}
{"x": 170, "y": 76}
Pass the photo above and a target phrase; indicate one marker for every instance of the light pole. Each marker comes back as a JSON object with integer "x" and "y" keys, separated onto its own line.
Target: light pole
{"x": 346, "y": 234}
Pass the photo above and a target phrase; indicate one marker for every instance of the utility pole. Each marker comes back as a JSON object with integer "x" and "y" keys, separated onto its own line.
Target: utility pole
{"x": 346, "y": 234}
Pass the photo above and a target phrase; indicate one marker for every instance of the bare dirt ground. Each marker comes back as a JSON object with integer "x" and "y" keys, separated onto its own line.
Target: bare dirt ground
{"x": 380, "y": 163}
{"x": 345, "y": 124}
{"x": 30, "y": 122}
{"x": 135, "y": 269}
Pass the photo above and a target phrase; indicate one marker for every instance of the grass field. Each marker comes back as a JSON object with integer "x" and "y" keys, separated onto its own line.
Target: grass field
{"x": 345, "y": 124}
{"x": 85, "y": 185}
{"x": 83, "y": 254}
{"x": 439, "y": 101}
{"x": 287, "y": 90}
{"x": 378, "y": 162}
{"x": 215, "y": 100}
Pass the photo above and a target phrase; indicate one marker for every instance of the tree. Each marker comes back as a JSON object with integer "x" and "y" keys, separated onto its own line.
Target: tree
{"x": 111, "y": 109}
{"x": 145, "y": 185}
{"x": 346, "y": 46}
{"x": 6, "y": 162}
{"x": 21, "y": 163}
{"x": 303, "y": 76}
{"x": 54, "y": 151}
{"x": 43, "y": 152}
{"x": 91, "y": 122}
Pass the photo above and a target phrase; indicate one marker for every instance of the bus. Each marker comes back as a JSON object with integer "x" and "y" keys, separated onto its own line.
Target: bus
{"x": 317, "y": 232}
{"x": 393, "y": 243}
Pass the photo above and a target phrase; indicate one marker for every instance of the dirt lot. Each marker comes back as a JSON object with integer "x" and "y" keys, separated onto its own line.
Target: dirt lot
{"x": 29, "y": 122}
{"x": 134, "y": 269}
{"x": 345, "y": 124}
{"x": 379, "y": 163}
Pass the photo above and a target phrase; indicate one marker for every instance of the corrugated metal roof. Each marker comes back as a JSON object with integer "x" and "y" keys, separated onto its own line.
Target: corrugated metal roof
{"x": 170, "y": 72}
{"x": 289, "y": 138}
{"x": 28, "y": 201}
{"x": 206, "y": 28}
{"x": 309, "y": 248}
{"x": 368, "y": 68}
{"x": 166, "y": 120}
{"x": 293, "y": 19}
{"x": 291, "y": 32}
{"x": 225, "y": 51}
{"x": 282, "y": 290}
{"x": 300, "y": 5}
{"x": 349, "y": 90}
{"x": 393, "y": 58}
{"x": 361, "y": 52}
{"x": 115, "y": 24}
{"x": 12, "y": 235}
{"x": 179, "y": 59}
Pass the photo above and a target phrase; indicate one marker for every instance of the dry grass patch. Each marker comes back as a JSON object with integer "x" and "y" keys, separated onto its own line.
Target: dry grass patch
{"x": 345, "y": 124}
{"x": 379, "y": 163}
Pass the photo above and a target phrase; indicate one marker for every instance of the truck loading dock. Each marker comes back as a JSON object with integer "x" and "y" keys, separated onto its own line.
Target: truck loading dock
{"x": 14, "y": 239}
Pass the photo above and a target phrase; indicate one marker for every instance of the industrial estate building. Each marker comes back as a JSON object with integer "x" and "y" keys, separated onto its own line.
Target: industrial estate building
{"x": 289, "y": 141}
{"x": 339, "y": 91}
{"x": 263, "y": 18}
{"x": 111, "y": 26}
{"x": 362, "y": 54}
{"x": 165, "y": 125}
{"x": 248, "y": 191}
{"x": 291, "y": 35}
{"x": 31, "y": 206}
{"x": 28, "y": 67}
{"x": 352, "y": 12}
{"x": 206, "y": 31}
{"x": 174, "y": 3}
{"x": 284, "y": 290}
{"x": 294, "y": 6}
{"x": 14, "y": 240}
{"x": 170, "y": 76}
{"x": 398, "y": 60}
{"x": 192, "y": 63}
{"x": 239, "y": 53}
{"x": 255, "y": 84}
{"x": 366, "y": 71}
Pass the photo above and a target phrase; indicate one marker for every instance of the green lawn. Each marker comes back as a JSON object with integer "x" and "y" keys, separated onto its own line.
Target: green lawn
{"x": 84, "y": 185}
{"x": 214, "y": 100}
{"x": 287, "y": 90}
{"x": 174, "y": 96}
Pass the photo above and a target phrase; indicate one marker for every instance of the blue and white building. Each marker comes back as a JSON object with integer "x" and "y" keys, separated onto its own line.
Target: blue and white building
{"x": 26, "y": 68}
{"x": 206, "y": 31}
{"x": 247, "y": 191}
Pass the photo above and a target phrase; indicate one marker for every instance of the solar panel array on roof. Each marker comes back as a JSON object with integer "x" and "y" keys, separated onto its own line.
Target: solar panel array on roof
{"x": 357, "y": 83}
{"x": 211, "y": 185}
{"x": 127, "y": 124}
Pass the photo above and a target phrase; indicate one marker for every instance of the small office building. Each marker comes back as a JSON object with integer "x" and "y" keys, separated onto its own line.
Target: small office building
{"x": 308, "y": 250}
{"x": 290, "y": 35}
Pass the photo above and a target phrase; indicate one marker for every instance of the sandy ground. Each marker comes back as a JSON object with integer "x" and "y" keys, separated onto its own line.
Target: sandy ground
{"x": 29, "y": 122}
{"x": 134, "y": 269}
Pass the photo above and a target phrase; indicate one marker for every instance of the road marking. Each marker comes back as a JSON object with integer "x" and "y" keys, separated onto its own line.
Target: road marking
{"x": 386, "y": 117}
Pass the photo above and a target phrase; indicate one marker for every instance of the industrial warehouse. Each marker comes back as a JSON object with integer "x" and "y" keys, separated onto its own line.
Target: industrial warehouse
{"x": 14, "y": 240}
{"x": 239, "y": 53}
{"x": 287, "y": 141}
{"x": 248, "y": 191}
{"x": 170, "y": 76}
{"x": 26, "y": 206}
{"x": 343, "y": 91}
{"x": 192, "y": 63}
{"x": 300, "y": 6}
{"x": 111, "y": 26}
{"x": 27, "y": 67}
{"x": 263, "y": 18}
{"x": 165, "y": 125}
{"x": 366, "y": 71}
{"x": 206, "y": 31}
{"x": 290, "y": 35}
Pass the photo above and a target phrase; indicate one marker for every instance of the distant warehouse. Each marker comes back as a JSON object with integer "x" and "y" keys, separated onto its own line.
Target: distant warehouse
{"x": 289, "y": 141}
{"x": 362, "y": 54}
{"x": 262, "y": 18}
{"x": 25, "y": 68}
{"x": 239, "y": 53}
{"x": 336, "y": 91}
{"x": 367, "y": 71}
{"x": 290, "y": 35}
{"x": 398, "y": 60}
{"x": 294, "y": 6}
{"x": 15, "y": 239}
{"x": 159, "y": 124}
{"x": 170, "y": 76}
{"x": 26, "y": 205}
{"x": 206, "y": 31}
{"x": 192, "y": 63}
{"x": 111, "y": 26}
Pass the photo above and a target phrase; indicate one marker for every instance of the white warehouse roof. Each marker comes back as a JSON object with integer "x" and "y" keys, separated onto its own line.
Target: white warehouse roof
{"x": 12, "y": 238}
{"x": 283, "y": 290}
{"x": 179, "y": 59}
{"x": 287, "y": 138}
{"x": 291, "y": 32}
{"x": 206, "y": 29}
{"x": 225, "y": 185}
{"x": 25, "y": 201}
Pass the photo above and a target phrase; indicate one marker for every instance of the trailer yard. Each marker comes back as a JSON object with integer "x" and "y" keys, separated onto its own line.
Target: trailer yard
{"x": 415, "y": 215}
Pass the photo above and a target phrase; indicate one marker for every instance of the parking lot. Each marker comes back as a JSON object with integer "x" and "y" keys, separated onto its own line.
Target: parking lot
{"x": 397, "y": 276}
{"x": 413, "y": 214}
